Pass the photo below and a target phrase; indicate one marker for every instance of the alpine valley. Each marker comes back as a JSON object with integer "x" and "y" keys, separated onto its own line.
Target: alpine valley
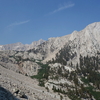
{"x": 61, "y": 68}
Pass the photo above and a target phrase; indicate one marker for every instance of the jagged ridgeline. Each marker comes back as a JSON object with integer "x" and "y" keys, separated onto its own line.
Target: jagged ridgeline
{"x": 82, "y": 81}
{"x": 68, "y": 65}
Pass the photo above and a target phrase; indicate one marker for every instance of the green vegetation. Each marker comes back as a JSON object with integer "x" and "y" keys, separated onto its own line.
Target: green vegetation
{"x": 43, "y": 73}
{"x": 96, "y": 95}
{"x": 91, "y": 89}
{"x": 86, "y": 81}
{"x": 58, "y": 90}
{"x": 92, "y": 92}
{"x": 72, "y": 95}
{"x": 63, "y": 56}
{"x": 87, "y": 71}
{"x": 89, "y": 67}
{"x": 20, "y": 59}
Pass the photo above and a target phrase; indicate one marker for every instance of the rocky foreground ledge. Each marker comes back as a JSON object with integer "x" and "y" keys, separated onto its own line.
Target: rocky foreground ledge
{"x": 14, "y": 86}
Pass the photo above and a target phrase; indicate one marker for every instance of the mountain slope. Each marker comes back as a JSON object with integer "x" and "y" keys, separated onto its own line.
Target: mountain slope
{"x": 23, "y": 87}
{"x": 67, "y": 65}
{"x": 85, "y": 42}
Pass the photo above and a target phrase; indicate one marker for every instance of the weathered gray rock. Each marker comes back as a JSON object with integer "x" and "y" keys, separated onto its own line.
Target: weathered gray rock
{"x": 22, "y": 87}
{"x": 21, "y": 47}
{"x": 6, "y": 95}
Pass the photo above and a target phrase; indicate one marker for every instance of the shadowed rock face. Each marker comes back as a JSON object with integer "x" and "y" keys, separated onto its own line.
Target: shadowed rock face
{"x": 6, "y": 95}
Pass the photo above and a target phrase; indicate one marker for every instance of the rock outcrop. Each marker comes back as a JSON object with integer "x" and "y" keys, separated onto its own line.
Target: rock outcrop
{"x": 22, "y": 87}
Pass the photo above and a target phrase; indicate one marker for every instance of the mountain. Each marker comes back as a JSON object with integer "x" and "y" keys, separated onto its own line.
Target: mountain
{"x": 66, "y": 48}
{"x": 67, "y": 66}
{"x": 82, "y": 42}
{"x": 21, "y": 47}
{"x": 85, "y": 42}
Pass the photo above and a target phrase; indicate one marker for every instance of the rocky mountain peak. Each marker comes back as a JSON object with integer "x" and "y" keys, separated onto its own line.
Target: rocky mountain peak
{"x": 36, "y": 43}
{"x": 83, "y": 42}
{"x": 95, "y": 25}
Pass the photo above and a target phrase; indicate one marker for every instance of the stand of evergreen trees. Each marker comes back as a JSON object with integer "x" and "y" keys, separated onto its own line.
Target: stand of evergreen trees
{"x": 89, "y": 70}
{"x": 63, "y": 56}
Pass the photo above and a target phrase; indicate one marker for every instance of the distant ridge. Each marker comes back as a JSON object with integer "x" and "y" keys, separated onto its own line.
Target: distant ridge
{"x": 21, "y": 47}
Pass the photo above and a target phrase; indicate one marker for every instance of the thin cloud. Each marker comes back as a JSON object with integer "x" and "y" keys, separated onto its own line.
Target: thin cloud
{"x": 18, "y": 23}
{"x": 62, "y": 8}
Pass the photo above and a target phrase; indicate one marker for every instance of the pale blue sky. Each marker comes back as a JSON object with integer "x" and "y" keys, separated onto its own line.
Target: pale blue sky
{"x": 30, "y": 20}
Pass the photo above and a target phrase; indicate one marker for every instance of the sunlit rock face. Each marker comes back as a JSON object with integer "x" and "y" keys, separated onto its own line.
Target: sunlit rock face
{"x": 21, "y": 47}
